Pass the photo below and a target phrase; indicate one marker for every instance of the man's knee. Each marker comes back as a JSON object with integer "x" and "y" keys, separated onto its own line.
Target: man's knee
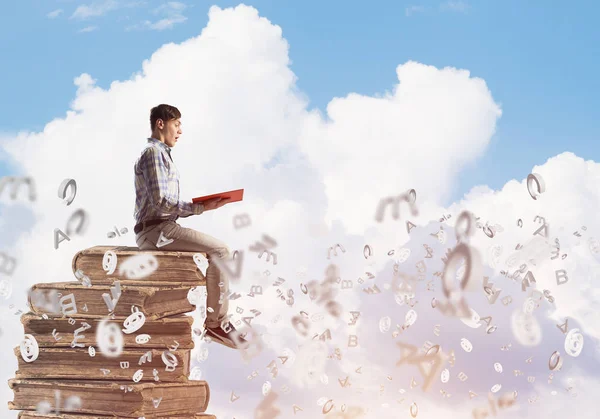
{"x": 222, "y": 252}
{"x": 225, "y": 252}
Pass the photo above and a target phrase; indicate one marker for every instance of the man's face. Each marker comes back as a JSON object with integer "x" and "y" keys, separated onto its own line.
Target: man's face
{"x": 171, "y": 130}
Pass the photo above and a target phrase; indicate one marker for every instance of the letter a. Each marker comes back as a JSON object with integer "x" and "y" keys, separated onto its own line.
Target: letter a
{"x": 57, "y": 231}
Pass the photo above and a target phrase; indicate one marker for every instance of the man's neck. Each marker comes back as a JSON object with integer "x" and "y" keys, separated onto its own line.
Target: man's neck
{"x": 157, "y": 138}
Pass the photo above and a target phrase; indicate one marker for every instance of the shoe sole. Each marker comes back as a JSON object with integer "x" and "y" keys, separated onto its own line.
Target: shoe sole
{"x": 220, "y": 340}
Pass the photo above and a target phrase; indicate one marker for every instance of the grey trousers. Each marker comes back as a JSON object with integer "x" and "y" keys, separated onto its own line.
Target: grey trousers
{"x": 189, "y": 240}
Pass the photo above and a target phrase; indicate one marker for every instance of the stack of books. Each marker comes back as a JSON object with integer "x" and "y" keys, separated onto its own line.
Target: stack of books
{"x": 115, "y": 342}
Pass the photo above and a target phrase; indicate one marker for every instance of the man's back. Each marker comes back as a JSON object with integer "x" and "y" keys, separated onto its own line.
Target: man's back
{"x": 157, "y": 185}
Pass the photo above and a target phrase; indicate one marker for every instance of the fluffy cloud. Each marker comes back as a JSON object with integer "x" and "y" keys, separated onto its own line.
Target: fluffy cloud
{"x": 312, "y": 181}
{"x": 418, "y": 136}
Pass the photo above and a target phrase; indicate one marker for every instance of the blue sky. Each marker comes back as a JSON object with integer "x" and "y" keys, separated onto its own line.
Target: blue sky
{"x": 538, "y": 58}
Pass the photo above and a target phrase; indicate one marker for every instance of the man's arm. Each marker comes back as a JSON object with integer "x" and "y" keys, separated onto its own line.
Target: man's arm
{"x": 163, "y": 193}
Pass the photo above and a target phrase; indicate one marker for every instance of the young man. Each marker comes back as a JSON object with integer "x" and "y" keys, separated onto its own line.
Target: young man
{"x": 157, "y": 207}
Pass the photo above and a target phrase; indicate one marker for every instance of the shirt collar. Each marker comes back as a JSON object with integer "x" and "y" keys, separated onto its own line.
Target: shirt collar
{"x": 160, "y": 144}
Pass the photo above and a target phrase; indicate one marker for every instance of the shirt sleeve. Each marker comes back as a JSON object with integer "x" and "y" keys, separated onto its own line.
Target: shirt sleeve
{"x": 163, "y": 190}
{"x": 197, "y": 209}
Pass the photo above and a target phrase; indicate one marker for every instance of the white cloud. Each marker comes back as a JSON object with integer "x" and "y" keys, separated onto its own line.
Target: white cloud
{"x": 428, "y": 105}
{"x": 570, "y": 196}
{"x": 241, "y": 108}
{"x": 573, "y": 395}
{"x": 96, "y": 9}
{"x": 170, "y": 7}
{"x": 84, "y": 83}
{"x": 101, "y": 8}
{"x": 88, "y": 29}
{"x": 53, "y": 14}
{"x": 173, "y": 15}
{"x": 159, "y": 25}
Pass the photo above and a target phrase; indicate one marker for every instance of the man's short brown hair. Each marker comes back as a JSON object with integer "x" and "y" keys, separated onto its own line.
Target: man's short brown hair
{"x": 164, "y": 112}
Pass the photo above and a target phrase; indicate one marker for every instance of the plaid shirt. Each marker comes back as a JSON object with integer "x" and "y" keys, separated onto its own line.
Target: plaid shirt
{"x": 157, "y": 186}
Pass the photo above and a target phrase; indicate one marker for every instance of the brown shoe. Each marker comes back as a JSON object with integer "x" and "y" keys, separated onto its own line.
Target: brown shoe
{"x": 226, "y": 338}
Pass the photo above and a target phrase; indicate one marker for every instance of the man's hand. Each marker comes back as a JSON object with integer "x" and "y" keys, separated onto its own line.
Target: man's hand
{"x": 214, "y": 203}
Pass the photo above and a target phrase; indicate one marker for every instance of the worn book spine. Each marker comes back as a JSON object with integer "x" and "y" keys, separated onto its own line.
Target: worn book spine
{"x": 109, "y": 399}
{"x": 35, "y": 415}
{"x": 61, "y": 332}
{"x": 163, "y": 266}
{"x": 78, "y": 364}
{"x": 77, "y": 300}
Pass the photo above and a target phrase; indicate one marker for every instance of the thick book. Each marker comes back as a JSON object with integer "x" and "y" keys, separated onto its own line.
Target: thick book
{"x": 154, "y": 300}
{"x": 109, "y": 399}
{"x": 78, "y": 364}
{"x": 59, "y": 332}
{"x": 105, "y": 264}
{"x": 35, "y": 415}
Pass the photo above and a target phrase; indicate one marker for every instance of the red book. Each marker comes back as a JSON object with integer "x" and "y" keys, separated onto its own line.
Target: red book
{"x": 235, "y": 195}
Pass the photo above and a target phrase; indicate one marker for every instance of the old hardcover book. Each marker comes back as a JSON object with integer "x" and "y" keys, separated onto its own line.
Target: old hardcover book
{"x": 109, "y": 399}
{"x": 78, "y": 364}
{"x": 58, "y": 332}
{"x": 35, "y": 415}
{"x": 74, "y": 299}
{"x": 104, "y": 264}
